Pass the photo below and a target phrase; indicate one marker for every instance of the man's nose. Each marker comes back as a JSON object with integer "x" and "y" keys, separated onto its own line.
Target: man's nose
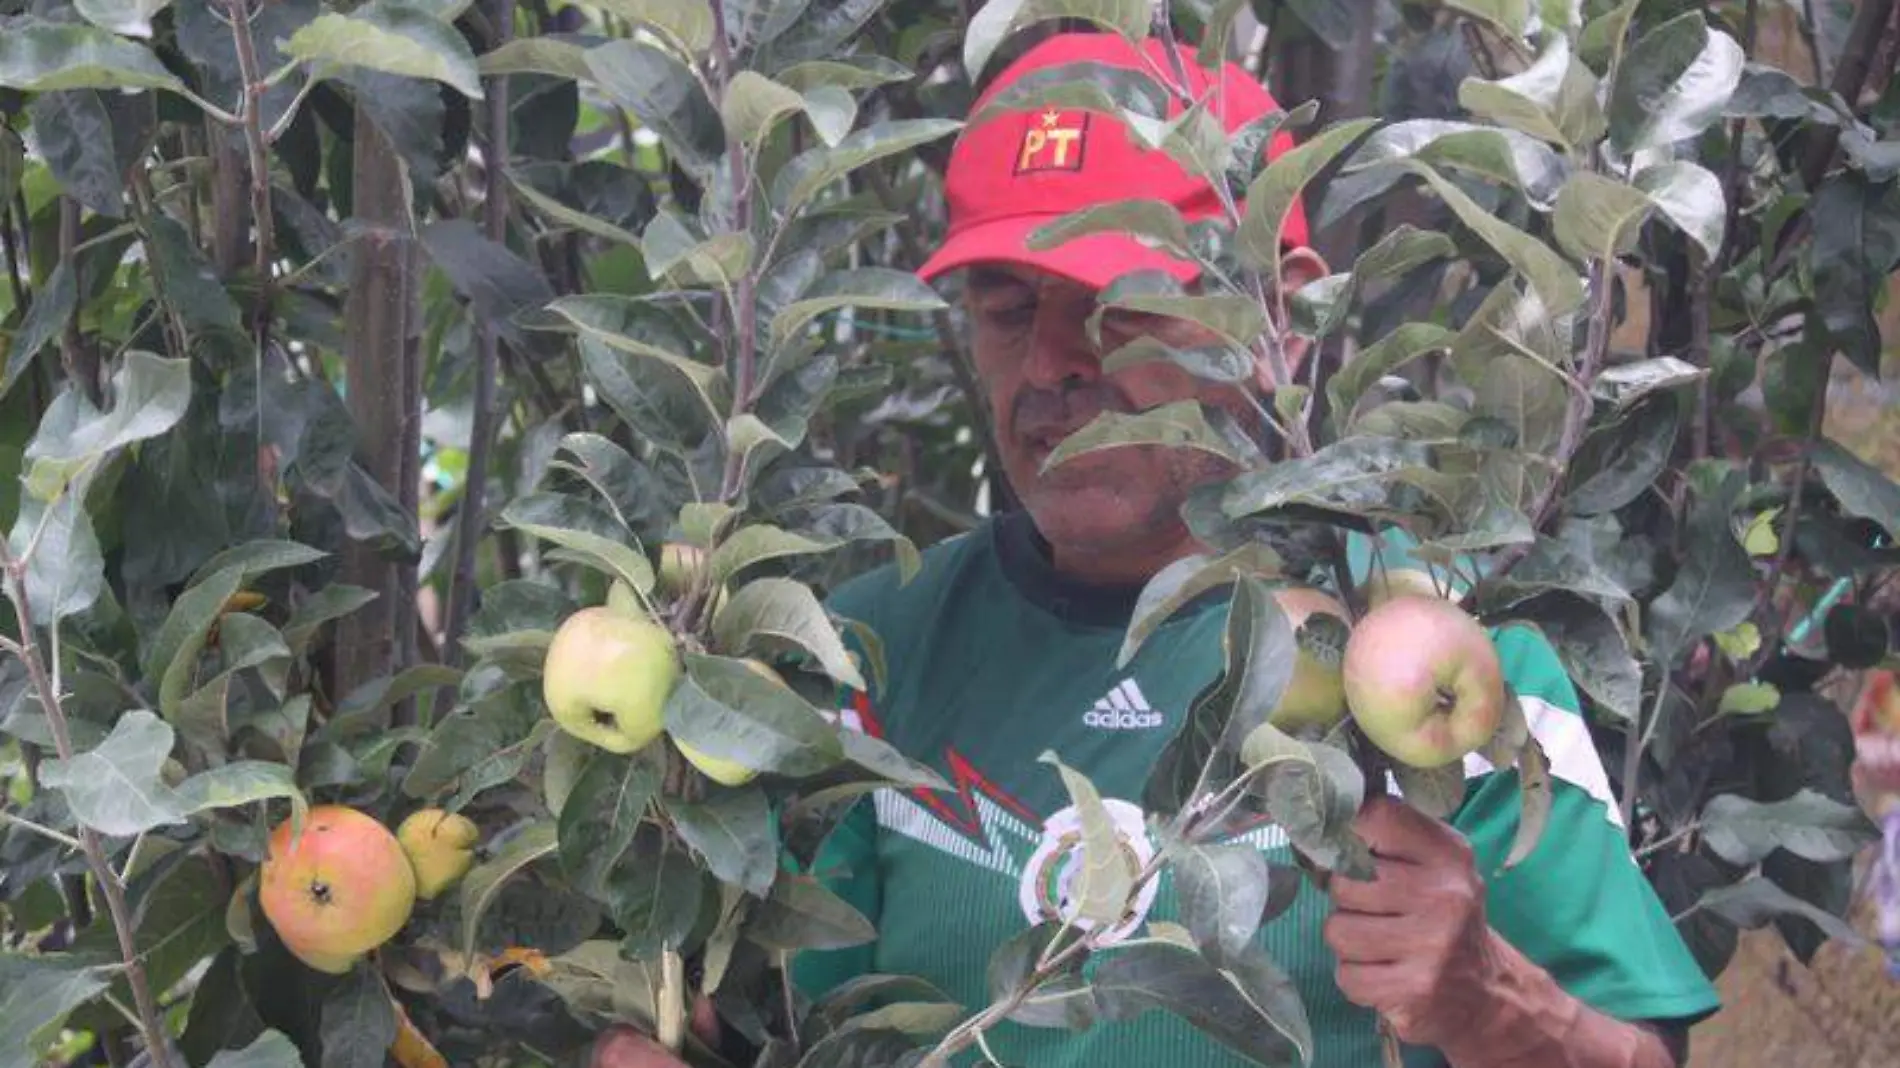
{"x": 1059, "y": 349}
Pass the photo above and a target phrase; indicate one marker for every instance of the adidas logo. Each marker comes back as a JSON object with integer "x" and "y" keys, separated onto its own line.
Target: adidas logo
{"x": 1123, "y": 709}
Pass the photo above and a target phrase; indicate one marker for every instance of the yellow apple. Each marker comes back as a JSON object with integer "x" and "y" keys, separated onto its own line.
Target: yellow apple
{"x": 1315, "y": 697}
{"x": 339, "y": 890}
{"x": 607, "y": 677}
{"x": 441, "y": 846}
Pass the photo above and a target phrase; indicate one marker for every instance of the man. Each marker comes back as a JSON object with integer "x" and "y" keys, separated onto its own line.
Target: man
{"x": 1004, "y": 647}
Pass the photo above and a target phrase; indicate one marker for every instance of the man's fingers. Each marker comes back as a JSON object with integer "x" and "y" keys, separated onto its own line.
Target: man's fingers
{"x": 1400, "y": 833}
{"x": 624, "y": 1047}
{"x": 1364, "y": 938}
{"x": 1371, "y": 986}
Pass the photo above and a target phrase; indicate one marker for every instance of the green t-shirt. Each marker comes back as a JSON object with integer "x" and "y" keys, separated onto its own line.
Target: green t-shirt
{"x": 993, "y": 658}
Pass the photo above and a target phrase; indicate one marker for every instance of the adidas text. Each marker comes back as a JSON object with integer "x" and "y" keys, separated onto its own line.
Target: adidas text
{"x": 1122, "y": 721}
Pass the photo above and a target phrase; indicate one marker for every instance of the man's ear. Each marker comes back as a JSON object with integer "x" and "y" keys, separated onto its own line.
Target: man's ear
{"x": 1297, "y": 267}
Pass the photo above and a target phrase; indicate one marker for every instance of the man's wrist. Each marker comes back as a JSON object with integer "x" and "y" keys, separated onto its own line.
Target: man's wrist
{"x": 1529, "y": 1021}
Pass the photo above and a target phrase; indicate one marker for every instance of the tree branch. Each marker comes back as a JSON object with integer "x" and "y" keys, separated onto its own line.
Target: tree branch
{"x": 1850, "y": 77}
{"x": 149, "y": 1022}
{"x": 80, "y": 364}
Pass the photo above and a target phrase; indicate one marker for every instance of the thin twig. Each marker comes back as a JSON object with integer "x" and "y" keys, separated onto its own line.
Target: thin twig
{"x": 254, "y": 139}
{"x": 1817, "y": 418}
{"x": 149, "y": 1021}
{"x": 471, "y": 516}
{"x": 42, "y": 830}
{"x": 12, "y": 253}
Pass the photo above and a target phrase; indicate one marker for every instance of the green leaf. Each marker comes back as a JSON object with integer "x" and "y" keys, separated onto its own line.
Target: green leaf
{"x": 1511, "y": 17}
{"x": 869, "y": 71}
{"x": 259, "y": 557}
{"x": 37, "y": 993}
{"x": 1086, "y": 85}
{"x": 1756, "y": 901}
{"x": 172, "y": 657}
{"x": 1155, "y": 223}
{"x": 1808, "y": 824}
{"x": 479, "y": 887}
{"x": 1862, "y": 489}
{"x": 1713, "y": 591}
{"x": 1501, "y": 155}
{"x": 537, "y": 55}
{"x": 1674, "y": 81}
{"x": 1223, "y": 891}
{"x": 1535, "y": 794}
{"x": 655, "y": 895}
{"x": 1313, "y": 791}
{"x": 724, "y": 709}
{"x": 1553, "y": 100}
{"x": 667, "y": 98}
{"x": 1437, "y": 792}
{"x": 238, "y": 783}
{"x": 1099, "y": 898}
{"x": 1556, "y": 282}
{"x": 1354, "y": 480}
{"x": 601, "y": 813}
{"x": 639, "y": 329}
{"x": 116, "y": 788}
{"x": 358, "y": 1021}
{"x": 689, "y": 23}
{"x": 808, "y": 173}
{"x": 1856, "y": 242}
{"x": 732, "y": 829}
{"x": 151, "y": 394}
{"x": 128, "y": 18}
{"x": 270, "y": 1049}
{"x": 753, "y": 104}
{"x": 52, "y": 306}
{"x": 1597, "y": 218}
{"x": 1627, "y": 384}
{"x": 1133, "y": 979}
{"x": 584, "y": 527}
{"x": 1748, "y": 699}
{"x": 1180, "y": 425}
{"x": 1223, "y": 363}
{"x": 392, "y": 37}
{"x": 772, "y": 615}
{"x": 881, "y": 288}
{"x": 997, "y": 22}
{"x": 801, "y": 914}
{"x": 1687, "y": 194}
{"x": 1620, "y": 462}
{"x": 1174, "y": 586}
{"x": 1236, "y": 317}
{"x": 43, "y": 57}
{"x": 330, "y": 603}
{"x": 1272, "y": 195}
{"x": 1407, "y": 342}
{"x": 758, "y": 543}
{"x": 66, "y": 574}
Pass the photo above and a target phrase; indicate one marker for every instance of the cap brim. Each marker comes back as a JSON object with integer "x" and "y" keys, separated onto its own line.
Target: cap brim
{"x": 1093, "y": 261}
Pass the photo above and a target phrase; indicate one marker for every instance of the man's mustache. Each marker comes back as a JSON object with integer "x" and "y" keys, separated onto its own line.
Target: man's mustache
{"x": 1066, "y": 409}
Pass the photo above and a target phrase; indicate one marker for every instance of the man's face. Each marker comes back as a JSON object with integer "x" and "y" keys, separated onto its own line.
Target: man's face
{"x": 1044, "y": 381}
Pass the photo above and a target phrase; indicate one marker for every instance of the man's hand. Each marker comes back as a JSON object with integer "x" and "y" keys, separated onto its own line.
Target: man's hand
{"x": 1413, "y": 944}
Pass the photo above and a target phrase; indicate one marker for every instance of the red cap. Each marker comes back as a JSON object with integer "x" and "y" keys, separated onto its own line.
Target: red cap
{"x": 1016, "y": 171}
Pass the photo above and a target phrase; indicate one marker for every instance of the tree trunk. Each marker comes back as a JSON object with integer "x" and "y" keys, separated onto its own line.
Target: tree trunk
{"x": 382, "y": 387}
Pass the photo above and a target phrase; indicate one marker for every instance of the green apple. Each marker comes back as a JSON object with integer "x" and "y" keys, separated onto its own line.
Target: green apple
{"x": 607, "y": 677}
{"x": 1315, "y": 697}
{"x": 1423, "y": 681}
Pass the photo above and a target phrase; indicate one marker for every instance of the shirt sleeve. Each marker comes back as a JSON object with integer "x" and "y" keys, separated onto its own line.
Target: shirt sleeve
{"x": 1578, "y": 905}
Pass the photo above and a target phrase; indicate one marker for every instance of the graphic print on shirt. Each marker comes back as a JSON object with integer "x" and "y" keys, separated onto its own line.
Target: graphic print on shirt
{"x": 984, "y": 826}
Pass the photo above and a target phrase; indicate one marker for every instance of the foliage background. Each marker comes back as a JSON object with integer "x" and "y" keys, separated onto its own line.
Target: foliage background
{"x": 314, "y": 411}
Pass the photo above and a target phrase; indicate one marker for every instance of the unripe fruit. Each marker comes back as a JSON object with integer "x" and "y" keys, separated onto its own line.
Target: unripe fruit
{"x": 607, "y": 677}
{"x": 1423, "y": 681}
{"x": 1315, "y": 697}
{"x": 342, "y": 888}
{"x": 680, "y": 567}
{"x": 441, "y": 847}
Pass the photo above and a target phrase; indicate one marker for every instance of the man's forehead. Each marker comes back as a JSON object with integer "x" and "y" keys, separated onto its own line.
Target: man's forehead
{"x": 994, "y": 275}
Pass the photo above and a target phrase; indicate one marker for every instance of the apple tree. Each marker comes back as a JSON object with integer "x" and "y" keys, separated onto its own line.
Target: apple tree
{"x": 455, "y": 413}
